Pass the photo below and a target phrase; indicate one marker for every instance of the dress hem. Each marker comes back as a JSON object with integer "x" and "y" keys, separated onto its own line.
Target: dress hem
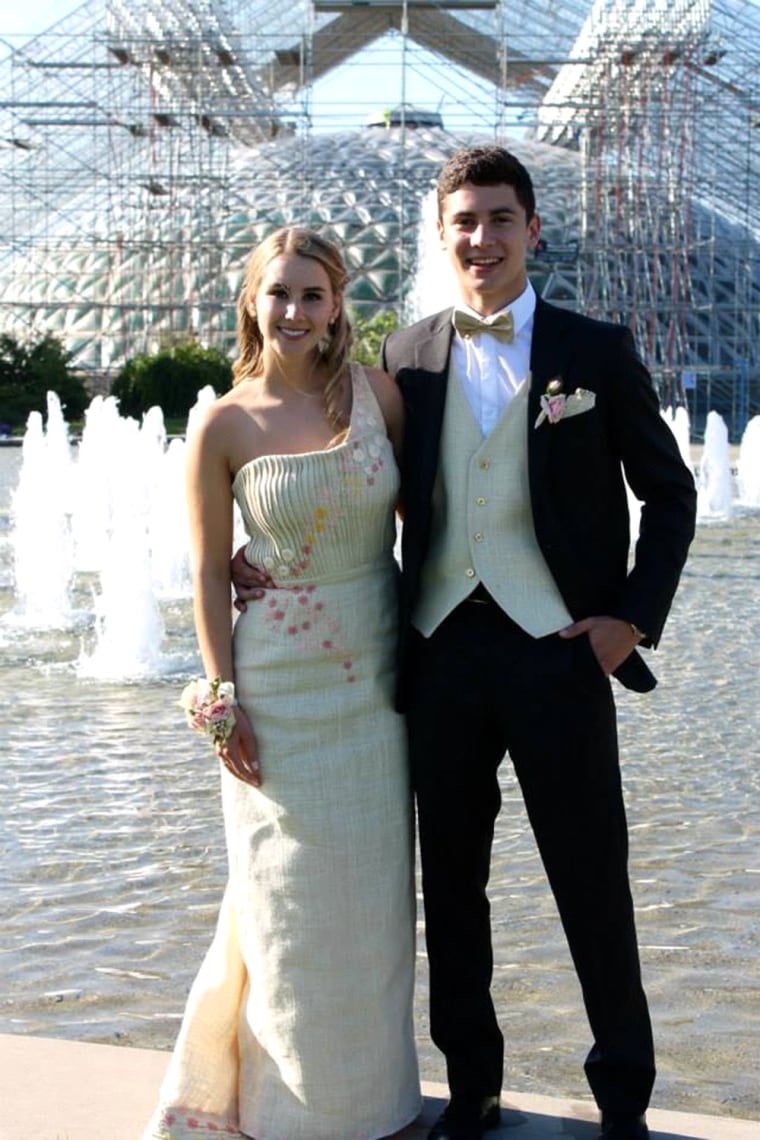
{"x": 171, "y": 1123}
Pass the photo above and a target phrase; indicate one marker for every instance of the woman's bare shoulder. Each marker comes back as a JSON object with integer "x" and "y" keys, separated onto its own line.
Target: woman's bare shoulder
{"x": 220, "y": 424}
{"x": 229, "y": 406}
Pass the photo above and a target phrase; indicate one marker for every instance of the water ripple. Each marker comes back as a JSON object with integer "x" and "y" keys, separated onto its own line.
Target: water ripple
{"x": 114, "y": 860}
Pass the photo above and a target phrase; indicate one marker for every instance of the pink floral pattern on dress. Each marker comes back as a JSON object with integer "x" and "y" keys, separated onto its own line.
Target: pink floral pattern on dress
{"x": 176, "y": 1123}
{"x": 296, "y": 609}
{"x": 298, "y": 612}
{"x": 365, "y": 459}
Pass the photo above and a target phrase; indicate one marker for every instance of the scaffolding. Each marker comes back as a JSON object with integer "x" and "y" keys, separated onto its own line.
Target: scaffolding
{"x": 127, "y": 132}
{"x": 663, "y": 106}
{"x": 144, "y": 148}
{"x": 121, "y": 125}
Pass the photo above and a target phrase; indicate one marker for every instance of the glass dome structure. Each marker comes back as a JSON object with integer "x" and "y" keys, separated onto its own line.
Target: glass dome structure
{"x": 145, "y": 147}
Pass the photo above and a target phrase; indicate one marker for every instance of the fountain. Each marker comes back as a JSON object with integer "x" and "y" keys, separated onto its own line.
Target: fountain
{"x": 677, "y": 420}
{"x": 715, "y": 482}
{"x": 128, "y": 624}
{"x": 121, "y": 465}
{"x": 107, "y": 523}
{"x": 114, "y": 852}
{"x": 435, "y": 285}
{"x": 42, "y": 542}
{"x": 105, "y": 833}
{"x": 748, "y": 466}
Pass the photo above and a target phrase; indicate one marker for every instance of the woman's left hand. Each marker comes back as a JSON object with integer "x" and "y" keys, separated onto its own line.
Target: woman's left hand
{"x": 240, "y": 753}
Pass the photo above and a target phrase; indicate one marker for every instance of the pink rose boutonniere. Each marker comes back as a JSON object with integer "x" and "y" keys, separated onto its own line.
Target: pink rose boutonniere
{"x": 556, "y": 406}
{"x": 552, "y": 403}
{"x": 209, "y": 707}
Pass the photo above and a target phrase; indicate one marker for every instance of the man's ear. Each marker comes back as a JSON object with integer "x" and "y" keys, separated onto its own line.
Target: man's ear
{"x": 441, "y": 234}
{"x": 534, "y": 230}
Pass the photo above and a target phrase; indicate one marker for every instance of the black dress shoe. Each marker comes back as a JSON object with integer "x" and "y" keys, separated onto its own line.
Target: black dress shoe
{"x": 623, "y": 1126}
{"x": 466, "y": 1119}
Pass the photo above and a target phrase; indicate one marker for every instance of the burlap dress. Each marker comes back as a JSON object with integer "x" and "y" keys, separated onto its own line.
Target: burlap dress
{"x": 299, "y": 1023}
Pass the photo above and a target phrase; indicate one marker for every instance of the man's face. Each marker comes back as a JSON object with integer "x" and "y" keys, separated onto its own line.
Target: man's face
{"x": 486, "y": 235}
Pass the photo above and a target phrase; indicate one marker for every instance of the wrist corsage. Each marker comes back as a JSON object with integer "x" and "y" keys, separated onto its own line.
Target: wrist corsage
{"x": 209, "y": 707}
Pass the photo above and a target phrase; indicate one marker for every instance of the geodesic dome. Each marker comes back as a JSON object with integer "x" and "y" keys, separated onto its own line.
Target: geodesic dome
{"x": 179, "y": 271}
{"x": 145, "y": 147}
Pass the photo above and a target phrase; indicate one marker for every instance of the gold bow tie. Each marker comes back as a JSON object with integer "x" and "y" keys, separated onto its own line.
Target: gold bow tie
{"x": 502, "y": 327}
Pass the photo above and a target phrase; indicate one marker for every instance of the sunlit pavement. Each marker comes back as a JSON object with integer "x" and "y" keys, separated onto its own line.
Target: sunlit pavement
{"x": 68, "y": 1090}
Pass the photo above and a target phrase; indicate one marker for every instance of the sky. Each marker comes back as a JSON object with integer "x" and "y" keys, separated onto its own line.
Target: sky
{"x": 18, "y": 21}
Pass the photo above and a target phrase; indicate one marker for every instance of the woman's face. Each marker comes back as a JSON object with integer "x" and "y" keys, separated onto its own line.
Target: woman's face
{"x": 294, "y": 304}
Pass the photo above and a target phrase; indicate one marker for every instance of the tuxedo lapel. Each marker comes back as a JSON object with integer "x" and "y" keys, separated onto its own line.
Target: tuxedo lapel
{"x": 549, "y": 350}
{"x": 431, "y": 351}
{"x": 549, "y": 353}
{"x": 424, "y": 388}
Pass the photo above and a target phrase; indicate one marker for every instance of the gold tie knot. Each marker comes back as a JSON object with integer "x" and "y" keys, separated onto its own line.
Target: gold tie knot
{"x": 502, "y": 327}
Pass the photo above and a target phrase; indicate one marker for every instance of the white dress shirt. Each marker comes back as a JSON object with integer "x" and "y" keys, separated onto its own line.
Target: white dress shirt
{"x": 491, "y": 370}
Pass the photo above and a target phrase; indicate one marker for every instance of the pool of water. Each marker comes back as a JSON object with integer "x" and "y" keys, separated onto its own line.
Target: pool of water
{"x": 114, "y": 861}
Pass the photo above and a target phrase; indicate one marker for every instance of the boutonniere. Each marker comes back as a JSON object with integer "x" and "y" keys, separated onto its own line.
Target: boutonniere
{"x": 556, "y": 406}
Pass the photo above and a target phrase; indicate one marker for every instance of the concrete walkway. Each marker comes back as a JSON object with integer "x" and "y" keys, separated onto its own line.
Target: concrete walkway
{"x": 67, "y": 1090}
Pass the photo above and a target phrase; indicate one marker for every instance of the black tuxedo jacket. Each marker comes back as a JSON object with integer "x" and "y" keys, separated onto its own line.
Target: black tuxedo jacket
{"x": 576, "y": 466}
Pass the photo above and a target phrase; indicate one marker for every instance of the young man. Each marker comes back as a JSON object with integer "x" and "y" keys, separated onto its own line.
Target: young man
{"x": 517, "y": 606}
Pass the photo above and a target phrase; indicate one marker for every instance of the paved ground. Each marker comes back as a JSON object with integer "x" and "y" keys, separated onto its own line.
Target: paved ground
{"x": 67, "y": 1090}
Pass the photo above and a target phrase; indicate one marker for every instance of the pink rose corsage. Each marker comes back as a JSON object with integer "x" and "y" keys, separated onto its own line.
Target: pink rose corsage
{"x": 209, "y": 707}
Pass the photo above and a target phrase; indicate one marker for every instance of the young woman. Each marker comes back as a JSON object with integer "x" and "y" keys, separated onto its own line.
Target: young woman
{"x": 299, "y": 1024}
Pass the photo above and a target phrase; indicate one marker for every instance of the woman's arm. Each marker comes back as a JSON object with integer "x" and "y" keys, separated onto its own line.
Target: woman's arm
{"x": 209, "y": 498}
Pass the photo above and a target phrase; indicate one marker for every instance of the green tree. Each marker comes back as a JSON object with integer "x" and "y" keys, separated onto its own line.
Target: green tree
{"x": 369, "y": 333}
{"x": 170, "y": 379}
{"x": 28, "y": 371}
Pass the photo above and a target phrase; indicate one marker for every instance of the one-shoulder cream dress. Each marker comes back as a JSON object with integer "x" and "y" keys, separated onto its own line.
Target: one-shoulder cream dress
{"x": 299, "y": 1023}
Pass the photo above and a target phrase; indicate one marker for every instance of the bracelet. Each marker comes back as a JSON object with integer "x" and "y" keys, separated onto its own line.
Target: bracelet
{"x": 209, "y": 707}
{"x": 636, "y": 631}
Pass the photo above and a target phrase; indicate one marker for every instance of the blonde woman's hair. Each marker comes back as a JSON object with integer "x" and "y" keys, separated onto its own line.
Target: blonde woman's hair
{"x": 333, "y": 350}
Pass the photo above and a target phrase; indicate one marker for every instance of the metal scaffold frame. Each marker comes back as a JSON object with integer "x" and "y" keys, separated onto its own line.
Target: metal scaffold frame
{"x": 663, "y": 104}
{"x": 144, "y": 147}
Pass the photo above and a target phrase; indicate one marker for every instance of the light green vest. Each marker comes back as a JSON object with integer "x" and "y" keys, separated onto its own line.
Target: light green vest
{"x": 482, "y": 527}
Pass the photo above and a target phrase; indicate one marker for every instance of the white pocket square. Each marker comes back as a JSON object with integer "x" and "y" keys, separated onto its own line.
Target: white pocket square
{"x": 558, "y": 407}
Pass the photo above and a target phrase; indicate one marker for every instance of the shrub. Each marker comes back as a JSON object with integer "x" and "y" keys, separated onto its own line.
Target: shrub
{"x": 369, "y": 334}
{"x": 170, "y": 379}
{"x": 29, "y": 371}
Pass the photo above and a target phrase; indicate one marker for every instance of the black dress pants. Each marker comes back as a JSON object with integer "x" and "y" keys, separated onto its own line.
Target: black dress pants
{"x": 480, "y": 687}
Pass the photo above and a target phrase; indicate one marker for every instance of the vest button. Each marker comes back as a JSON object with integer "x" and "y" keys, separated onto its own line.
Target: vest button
{"x": 484, "y": 465}
{"x": 470, "y": 572}
{"x": 478, "y": 537}
{"x": 480, "y": 501}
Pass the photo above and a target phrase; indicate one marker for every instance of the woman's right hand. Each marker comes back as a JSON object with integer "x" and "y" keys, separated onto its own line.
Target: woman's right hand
{"x": 240, "y": 753}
